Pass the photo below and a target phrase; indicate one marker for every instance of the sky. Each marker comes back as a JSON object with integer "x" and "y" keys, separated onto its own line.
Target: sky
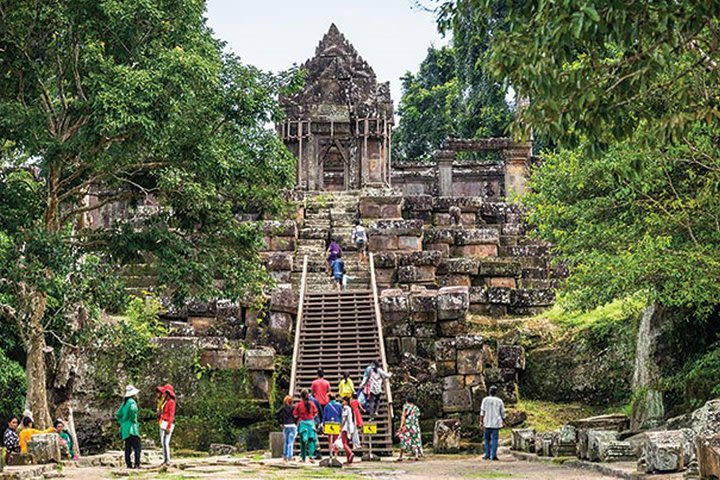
{"x": 391, "y": 35}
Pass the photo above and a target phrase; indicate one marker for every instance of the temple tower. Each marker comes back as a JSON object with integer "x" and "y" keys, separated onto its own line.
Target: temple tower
{"x": 339, "y": 125}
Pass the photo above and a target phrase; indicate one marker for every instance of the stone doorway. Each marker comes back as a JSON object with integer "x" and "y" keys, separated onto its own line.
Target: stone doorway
{"x": 334, "y": 166}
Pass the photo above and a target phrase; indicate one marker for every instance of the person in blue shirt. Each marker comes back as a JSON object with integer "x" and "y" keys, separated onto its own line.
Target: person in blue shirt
{"x": 338, "y": 271}
{"x": 332, "y": 413}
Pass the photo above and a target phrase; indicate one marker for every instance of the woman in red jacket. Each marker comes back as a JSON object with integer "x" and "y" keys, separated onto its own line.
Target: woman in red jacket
{"x": 167, "y": 421}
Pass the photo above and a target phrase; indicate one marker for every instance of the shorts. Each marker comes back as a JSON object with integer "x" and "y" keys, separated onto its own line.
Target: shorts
{"x": 361, "y": 246}
{"x": 338, "y": 279}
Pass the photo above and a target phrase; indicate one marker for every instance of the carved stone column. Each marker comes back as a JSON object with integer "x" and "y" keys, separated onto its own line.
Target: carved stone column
{"x": 445, "y": 160}
{"x": 517, "y": 161}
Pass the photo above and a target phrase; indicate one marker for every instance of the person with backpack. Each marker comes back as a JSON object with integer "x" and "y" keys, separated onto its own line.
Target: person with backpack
{"x": 332, "y": 413}
{"x": 360, "y": 240}
{"x": 338, "y": 271}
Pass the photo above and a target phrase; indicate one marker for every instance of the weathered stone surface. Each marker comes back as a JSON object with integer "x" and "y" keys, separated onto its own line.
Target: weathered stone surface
{"x": 260, "y": 359}
{"x": 453, "y": 302}
{"x": 446, "y": 350}
{"x": 454, "y": 382}
{"x": 44, "y": 448}
{"x": 514, "y": 418}
{"x": 463, "y": 266}
{"x": 563, "y": 444}
{"x": 499, "y": 295}
{"x": 478, "y": 295}
{"x": 393, "y": 300}
{"x": 498, "y": 267}
{"x": 396, "y": 227}
{"x": 664, "y": 452}
{"x": 385, "y": 259}
{"x": 532, "y": 298}
{"x": 452, "y": 328}
{"x": 219, "y": 449}
{"x": 459, "y": 400}
{"x": 708, "y": 456}
{"x": 284, "y": 300}
{"x": 385, "y": 276}
{"x": 260, "y": 381}
{"x": 408, "y": 345}
{"x": 411, "y": 274}
{"x": 466, "y": 342}
{"x": 595, "y": 438}
{"x": 282, "y": 244}
{"x": 523, "y": 440}
{"x": 617, "y": 422}
{"x": 281, "y": 320}
{"x": 476, "y": 251}
{"x": 286, "y": 228}
{"x": 511, "y": 356}
{"x": 543, "y": 443}
{"x": 425, "y": 330}
{"x": 507, "y": 282}
{"x": 616, "y": 451}
{"x": 446, "y": 436}
{"x": 465, "y": 203}
{"x": 279, "y": 262}
{"x": 409, "y": 243}
{"x": 20, "y": 459}
{"x": 470, "y": 361}
{"x": 439, "y": 236}
{"x": 420, "y": 259}
{"x": 477, "y": 236}
{"x": 222, "y": 359}
{"x": 423, "y": 301}
{"x": 379, "y": 243}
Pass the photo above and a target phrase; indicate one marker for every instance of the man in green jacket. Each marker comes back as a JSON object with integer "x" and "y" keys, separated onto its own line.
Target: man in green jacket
{"x": 127, "y": 417}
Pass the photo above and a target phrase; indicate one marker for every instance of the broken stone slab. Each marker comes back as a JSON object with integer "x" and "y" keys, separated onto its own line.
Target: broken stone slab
{"x": 523, "y": 440}
{"x": 511, "y": 356}
{"x": 446, "y": 436}
{"x": 597, "y": 437}
{"x": 543, "y": 443}
{"x": 616, "y": 451}
{"x": 617, "y": 422}
{"x": 220, "y": 449}
{"x": 45, "y": 448}
{"x": 260, "y": 359}
{"x": 664, "y": 452}
{"x": 563, "y": 444}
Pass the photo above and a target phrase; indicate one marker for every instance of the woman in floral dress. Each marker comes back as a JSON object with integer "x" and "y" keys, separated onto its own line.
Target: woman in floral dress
{"x": 409, "y": 433}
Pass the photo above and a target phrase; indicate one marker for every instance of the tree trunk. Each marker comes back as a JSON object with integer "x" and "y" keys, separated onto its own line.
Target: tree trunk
{"x": 36, "y": 372}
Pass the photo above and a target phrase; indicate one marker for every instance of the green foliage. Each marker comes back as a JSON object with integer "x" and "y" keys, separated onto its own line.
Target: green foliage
{"x": 12, "y": 384}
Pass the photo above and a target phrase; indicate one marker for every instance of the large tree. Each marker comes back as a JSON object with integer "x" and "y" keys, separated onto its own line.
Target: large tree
{"x": 629, "y": 91}
{"x": 116, "y": 103}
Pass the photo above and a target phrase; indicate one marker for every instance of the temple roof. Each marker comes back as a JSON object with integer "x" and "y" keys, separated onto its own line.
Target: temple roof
{"x": 337, "y": 76}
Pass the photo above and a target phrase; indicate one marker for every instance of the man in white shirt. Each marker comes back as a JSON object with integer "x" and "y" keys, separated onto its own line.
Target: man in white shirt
{"x": 492, "y": 413}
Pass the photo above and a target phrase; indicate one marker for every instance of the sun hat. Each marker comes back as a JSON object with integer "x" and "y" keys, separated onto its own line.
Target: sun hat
{"x": 131, "y": 391}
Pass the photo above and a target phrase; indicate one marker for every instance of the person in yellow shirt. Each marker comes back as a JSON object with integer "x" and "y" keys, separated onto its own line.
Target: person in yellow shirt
{"x": 346, "y": 387}
{"x": 28, "y": 431}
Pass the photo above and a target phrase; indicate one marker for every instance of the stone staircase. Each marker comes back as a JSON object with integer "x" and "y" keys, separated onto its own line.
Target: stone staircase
{"x": 339, "y": 332}
{"x": 328, "y": 215}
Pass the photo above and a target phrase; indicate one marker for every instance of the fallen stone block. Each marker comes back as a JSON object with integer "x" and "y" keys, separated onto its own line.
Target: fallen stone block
{"x": 616, "y": 451}
{"x": 617, "y": 422}
{"x": 543, "y": 443}
{"x": 664, "y": 452}
{"x": 523, "y": 440}
{"x": 595, "y": 438}
{"x": 44, "y": 448}
{"x": 446, "y": 436}
{"x": 708, "y": 456}
{"x": 563, "y": 444}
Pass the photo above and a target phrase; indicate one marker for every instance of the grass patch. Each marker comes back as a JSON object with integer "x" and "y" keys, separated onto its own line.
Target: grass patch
{"x": 548, "y": 416}
{"x": 611, "y": 313}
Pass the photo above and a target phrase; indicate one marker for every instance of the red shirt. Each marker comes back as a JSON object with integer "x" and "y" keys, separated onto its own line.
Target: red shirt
{"x": 320, "y": 389}
{"x": 168, "y": 413}
{"x": 301, "y": 413}
{"x": 355, "y": 405}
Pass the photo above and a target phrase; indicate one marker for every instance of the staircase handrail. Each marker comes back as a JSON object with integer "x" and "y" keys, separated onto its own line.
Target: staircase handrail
{"x": 378, "y": 320}
{"x": 298, "y": 324}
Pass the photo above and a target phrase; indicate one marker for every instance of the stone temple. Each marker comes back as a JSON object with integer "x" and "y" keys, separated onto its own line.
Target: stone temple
{"x": 339, "y": 125}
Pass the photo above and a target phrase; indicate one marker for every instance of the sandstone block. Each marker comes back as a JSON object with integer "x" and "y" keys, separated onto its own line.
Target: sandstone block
{"x": 708, "y": 456}
{"x": 443, "y": 248}
{"x": 409, "y": 243}
{"x": 499, "y": 267}
{"x": 425, "y": 330}
{"x": 420, "y": 259}
{"x": 454, "y": 382}
{"x": 44, "y": 448}
{"x": 439, "y": 236}
{"x": 282, "y": 244}
{"x": 260, "y": 381}
{"x": 260, "y": 359}
{"x": 453, "y": 302}
{"x": 225, "y": 359}
{"x": 465, "y": 203}
{"x": 478, "y": 295}
{"x": 463, "y": 266}
{"x": 446, "y": 367}
{"x": 563, "y": 444}
{"x": 281, "y": 321}
{"x": 408, "y": 345}
{"x": 378, "y": 243}
{"x": 477, "y": 236}
{"x": 396, "y": 227}
{"x": 469, "y": 342}
{"x": 474, "y": 380}
{"x": 275, "y": 228}
{"x": 385, "y": 260}
{"x": 470, "y": 361}
{"x": 277, "y": 262}
{"x": 543, "y": 443}
{"x": 411, "y": 274}
{"x": 532, "y": 298}
{"x": 445, "y": 350}
{"x": 499, "y": 295}
{"x": 477, "y": 251}
{"x": 617, "y": 422}
{"x": 515, "y": 418}
{"x": 423, "y": 301}
{"x": 523, "y": 440}
{"x": 284, "y": 300}
{"x": 616, "y": 451}
{"x": 219, "y": 449}
{"x": 455, "y": 281}
{"x": 385, "y": 276}
{"x": 507, "y": 282}
{"x": 594, "y": 440}
{"x": 664, "y": 451}
{"x": 417, "y": 203}
{"x": 452, "y": 328}
{"x": 446, "y": 436}
{"x": 459, "y": 400}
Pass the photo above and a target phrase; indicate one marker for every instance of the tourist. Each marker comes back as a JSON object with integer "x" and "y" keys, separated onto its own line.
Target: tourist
{"x": 64, "y": 437}
{"x": 356, "y": 408}
{"x": 374, "y": 389}
{"x": 409, "y": 433}
{"x": 338, "y": 271}
{"x": 305, "y": 412}
{"x": 127, "y": 417}
{"x": 320, "y": 388}
{"x": 348, "y": 429}
{"x": 167, "y": 421}
{"x": 360, "y": 239}
{"x": 346, "y": 387}
{"x": 27, "y": 431}
{"x": 318, "y": 420}
{"x": 332, "y": 253}
{"x": 286, "y": 419}
{"x": 11, "y": 441}
{"x": 492, "y": 413}
{"x": 332, "y": 413}
{"x": 366, "y": 374}
{"x": 159, "y": 401}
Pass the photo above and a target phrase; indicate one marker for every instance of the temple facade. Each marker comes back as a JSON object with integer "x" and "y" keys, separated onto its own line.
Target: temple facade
{"x": 339, "y": 125}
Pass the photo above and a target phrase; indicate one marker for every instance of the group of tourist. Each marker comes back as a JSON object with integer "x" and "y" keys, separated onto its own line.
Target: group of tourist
{"x": 319, "y": 408}
{"x": 127, "y": 417}
{"x": 334, "y": 257}
{"x": 17, "y": 435}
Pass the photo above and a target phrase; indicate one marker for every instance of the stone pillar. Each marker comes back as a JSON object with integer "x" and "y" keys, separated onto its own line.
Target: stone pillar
{"x": 517, "y": 160}
{"x": 445, "y": 160}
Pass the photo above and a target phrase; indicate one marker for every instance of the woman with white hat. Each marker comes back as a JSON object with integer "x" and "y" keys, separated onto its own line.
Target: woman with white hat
{"x": 127, "y": 417}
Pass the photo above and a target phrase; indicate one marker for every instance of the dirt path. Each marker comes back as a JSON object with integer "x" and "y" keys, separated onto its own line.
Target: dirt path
{"x": 433, "y": 467}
